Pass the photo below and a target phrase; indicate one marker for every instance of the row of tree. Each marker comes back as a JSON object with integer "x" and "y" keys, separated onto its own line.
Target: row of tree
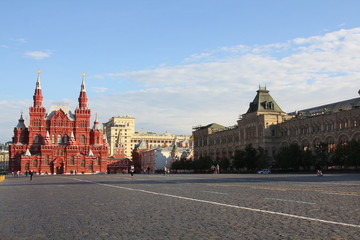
{"x": 292, "y": 157}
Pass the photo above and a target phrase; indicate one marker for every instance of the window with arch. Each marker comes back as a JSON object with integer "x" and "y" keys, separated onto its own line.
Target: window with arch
{"x": 82, "y": 139}
{"x": 35, "y": 163}
{"x": 90, "y": 166}
{"x": 66, "y": 138}
{"x": 27, "y": 167}
{"x": 36, "y": 138}
{"x": 83, "y": 163}
{"x": 59, "y": 139}
{"x": 72, "y": 160}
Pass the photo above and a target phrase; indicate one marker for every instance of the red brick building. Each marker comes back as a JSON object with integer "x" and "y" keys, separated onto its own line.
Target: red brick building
{"x": 58, "y": 141}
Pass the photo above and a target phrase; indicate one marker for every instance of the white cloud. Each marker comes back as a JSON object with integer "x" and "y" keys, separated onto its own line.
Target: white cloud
{"x": 218, "y": 86}
{"x": 99, "y": 89}
{"x": 38, "y": 55}
{"x": 21, "y": 40}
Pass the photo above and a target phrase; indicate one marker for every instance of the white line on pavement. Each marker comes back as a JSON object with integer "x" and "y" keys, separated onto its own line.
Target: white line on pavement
{"x": 287, "y": 200}
{"x": 224, "y": 205}
{"x": 215, "y": 192}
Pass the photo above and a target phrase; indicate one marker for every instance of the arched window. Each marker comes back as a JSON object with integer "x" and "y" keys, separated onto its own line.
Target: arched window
{"x": 72, "y": 160}
{"x": 26, "y": 167}
{"x": 82, "y": 139}
{"x": 36, "y": 138}
{"x": 66, "y": 138}
{"x": 59, "y": 139}
{"x": 83, "y": 163}
{"x": 90, "y": 167}
{"x": 35, "y": 163}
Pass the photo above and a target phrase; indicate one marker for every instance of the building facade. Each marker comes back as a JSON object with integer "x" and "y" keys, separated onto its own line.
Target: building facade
{"x": 157, "y": 158}
{"x": 266, "y": 125}
{"x": 4, "y": 161}
{"x": 58, "y": 141}
{"x": 121, "y": 136}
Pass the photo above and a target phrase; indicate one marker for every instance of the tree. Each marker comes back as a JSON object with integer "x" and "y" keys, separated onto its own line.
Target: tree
{"x": 224, "y": 163}
{"x": 263, "y": 160}
{"x": 239, "y": 159}
{"x": 321, "y": 155}
{"x": 250, "y": 157}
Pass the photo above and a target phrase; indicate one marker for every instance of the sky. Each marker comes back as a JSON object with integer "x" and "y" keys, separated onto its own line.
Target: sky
{"x": 174, "y": 65}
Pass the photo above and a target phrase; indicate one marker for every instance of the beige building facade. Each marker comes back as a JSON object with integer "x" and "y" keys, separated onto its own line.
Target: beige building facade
{"x": 120, "y": 134}
{"x": 266, "y": 125}
{"x": 4, "y": 161}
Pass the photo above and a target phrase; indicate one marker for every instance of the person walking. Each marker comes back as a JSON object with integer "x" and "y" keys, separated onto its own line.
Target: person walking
{"x": 31, "y": 173}
{"x": 132, "y": 170}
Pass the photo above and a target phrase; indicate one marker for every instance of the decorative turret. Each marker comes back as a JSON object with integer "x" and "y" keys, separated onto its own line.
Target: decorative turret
{"x": 20, "y": 131}
{"x": 83, "y": 98}
{"x": 96, "y": 135}
{"x": 38, "y": 94}
{"x": 72, "y": 139}
{"x": 47, "y": 138}
{"x": 96, "y": 124}
{"x": 21, "y": 123}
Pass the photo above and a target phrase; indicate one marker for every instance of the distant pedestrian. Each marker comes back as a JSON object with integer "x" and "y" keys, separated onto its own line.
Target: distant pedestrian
{"x": 148, "y": 170}
{"x": 217, "y": 168}
{"x": 31, "y": 175}
{"x": 132, "y": 170}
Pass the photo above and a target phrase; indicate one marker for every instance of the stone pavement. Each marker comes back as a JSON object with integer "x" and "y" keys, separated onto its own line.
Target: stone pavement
{"x": 218, "y": 206}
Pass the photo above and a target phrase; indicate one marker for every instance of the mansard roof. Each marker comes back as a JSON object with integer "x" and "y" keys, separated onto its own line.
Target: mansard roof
{"x": 263, "y": 102}
{"x": 330, "y": 108}
{"x": 65, "y": 108}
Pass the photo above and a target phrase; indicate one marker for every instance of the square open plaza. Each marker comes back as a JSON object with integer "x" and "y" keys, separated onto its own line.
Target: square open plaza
{"x": 181, "y": 206}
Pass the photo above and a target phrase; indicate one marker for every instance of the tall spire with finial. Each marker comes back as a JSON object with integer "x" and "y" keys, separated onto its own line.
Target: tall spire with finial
{"x": 83, "y": 98}
{"x": 38, "y": 93}
{"x": 83, "y": 86}
{"x": 38, "y": 83}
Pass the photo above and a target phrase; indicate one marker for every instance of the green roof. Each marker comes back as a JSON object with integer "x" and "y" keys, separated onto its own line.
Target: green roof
{"x": 263, "y": 102}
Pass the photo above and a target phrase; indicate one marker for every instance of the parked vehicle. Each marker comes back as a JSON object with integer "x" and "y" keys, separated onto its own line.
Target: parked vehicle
{"x": 264, "y": 171}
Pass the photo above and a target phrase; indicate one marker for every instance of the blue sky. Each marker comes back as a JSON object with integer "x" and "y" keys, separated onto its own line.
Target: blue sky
{"x": 176, "y": 64}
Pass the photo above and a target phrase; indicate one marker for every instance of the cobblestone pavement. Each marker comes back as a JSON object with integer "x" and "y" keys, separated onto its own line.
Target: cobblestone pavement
{"x": 218, "y": 206}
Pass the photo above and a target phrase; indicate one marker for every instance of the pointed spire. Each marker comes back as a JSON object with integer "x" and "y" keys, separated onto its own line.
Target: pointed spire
{"x": 72, "y": 139}
{"x": 47, "y": 138}
{"x": 91, "y": 154}
{"x": 38, "y": 83}
{"x": 38, "y": 93}
{"x": 83, "y": 98}
{"x": 83, "y": 86}
{"x": 27, "y": 153}
{"x": 96, "y": 123}
{"x": 21, "y": 123}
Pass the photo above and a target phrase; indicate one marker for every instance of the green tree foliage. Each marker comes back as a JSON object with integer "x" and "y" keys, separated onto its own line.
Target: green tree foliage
{"x": 347, "y": 155}
{"x": 224, "y": 163}
{"x": 239, "y": 159}
{"x": 290, "y": 157}
{"x": 322, "y": 155}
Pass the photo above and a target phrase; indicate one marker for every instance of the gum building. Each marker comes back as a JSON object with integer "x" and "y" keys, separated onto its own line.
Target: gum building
{"x": 58, "y": 141}
{"x": 266, "y": 125}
